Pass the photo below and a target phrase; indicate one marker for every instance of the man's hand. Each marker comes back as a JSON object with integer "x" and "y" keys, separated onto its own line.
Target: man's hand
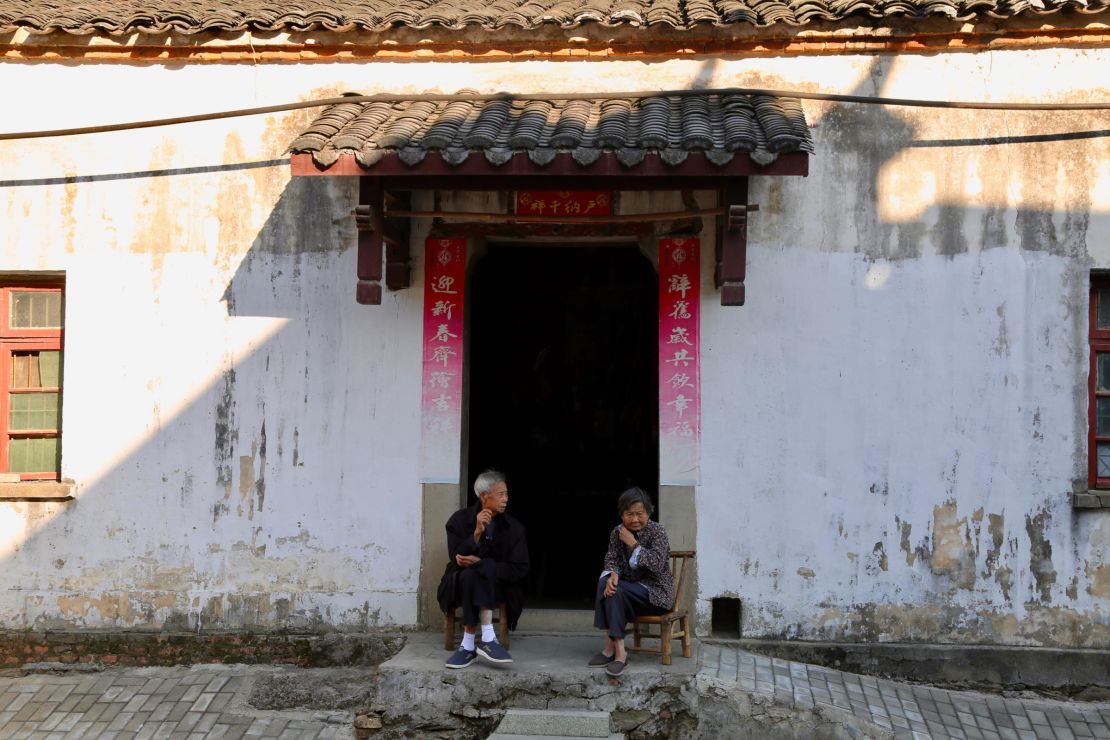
{"x": 627, "y": 537}
{"x": 485, "y": 516}
{"x": 611, "y": 586}
{"x": 465, "y": 561}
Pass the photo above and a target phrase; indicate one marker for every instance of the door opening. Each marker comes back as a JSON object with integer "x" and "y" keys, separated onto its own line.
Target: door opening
{"x": 563, "y": 397}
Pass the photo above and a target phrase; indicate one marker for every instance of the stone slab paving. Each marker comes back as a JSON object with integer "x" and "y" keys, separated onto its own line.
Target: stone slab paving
{"x": 909, "y": 711}
{"x": 183, "y": 703}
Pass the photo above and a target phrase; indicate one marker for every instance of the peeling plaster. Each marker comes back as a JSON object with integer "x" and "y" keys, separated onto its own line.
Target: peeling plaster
{"x": 967, "y": 356}
{"x": 953, "y": 552}
{"x": 1040, "y": 554}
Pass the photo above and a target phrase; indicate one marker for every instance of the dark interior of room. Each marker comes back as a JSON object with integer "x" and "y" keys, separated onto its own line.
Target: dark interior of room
{"x": 563, "y": 398}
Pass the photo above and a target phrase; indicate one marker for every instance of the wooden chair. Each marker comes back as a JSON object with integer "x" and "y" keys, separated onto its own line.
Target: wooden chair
{"x": 500, "y": 623}
{"x": 680, "y": 559}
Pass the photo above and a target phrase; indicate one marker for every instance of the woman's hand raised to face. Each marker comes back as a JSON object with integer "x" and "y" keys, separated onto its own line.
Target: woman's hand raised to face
{"x": 626, "y": 537}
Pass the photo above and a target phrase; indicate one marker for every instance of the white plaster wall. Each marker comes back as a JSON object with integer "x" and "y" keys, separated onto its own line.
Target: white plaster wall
{"x": 895, "y": 422}
{"x": 915, "y": 325}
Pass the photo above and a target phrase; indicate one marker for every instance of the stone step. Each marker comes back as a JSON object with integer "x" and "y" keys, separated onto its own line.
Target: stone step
{"x": 566, "y": 723}
{"x": 500, "y": 736}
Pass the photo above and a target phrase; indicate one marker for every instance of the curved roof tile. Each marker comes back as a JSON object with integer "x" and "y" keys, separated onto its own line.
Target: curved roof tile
{"x": 195, "y": 16}
{"x": 718, "y": 126}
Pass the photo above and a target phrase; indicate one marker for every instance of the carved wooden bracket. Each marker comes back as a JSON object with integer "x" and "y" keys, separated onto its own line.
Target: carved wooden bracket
{"x": 380, "y": 237}
{"x": 732, "y": 243}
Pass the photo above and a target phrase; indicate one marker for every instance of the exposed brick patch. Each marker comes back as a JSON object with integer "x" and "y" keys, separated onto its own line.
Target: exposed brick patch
{"x": 167, "y": 648}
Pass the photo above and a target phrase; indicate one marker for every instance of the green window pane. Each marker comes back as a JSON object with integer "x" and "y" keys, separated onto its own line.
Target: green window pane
{"x": 1102, "y": 366}
{"x": 35, "y": 309}
{"x": 39, "y": 455}
{"x": 1103, "y": 460}
{"x": 50, "y": 368}
{"x": 42, "y": 369}
{"x": 38, "y": 411}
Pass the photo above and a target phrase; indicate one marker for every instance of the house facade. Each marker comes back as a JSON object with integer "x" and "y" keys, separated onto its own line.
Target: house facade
{"x": 253, "y": 363}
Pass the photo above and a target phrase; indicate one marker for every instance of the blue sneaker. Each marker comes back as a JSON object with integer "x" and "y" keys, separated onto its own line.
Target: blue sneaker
{"x": 494, "y": 653}
{"x": 461, "y": 658}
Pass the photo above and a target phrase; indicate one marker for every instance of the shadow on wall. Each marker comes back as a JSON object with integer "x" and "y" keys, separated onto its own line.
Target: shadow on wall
{"x": 896, "y": 185}
{"x": 248, "y": 508}
{"x": 305, "y": 229}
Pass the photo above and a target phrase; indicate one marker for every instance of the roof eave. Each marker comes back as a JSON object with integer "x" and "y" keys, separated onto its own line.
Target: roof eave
{"x": 695, "y": 167}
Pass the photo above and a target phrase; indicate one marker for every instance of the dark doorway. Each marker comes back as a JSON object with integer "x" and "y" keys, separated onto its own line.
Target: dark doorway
{"x": 564, "y": 399}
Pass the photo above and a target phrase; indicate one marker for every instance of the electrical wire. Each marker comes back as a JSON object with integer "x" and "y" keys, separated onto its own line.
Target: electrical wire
{"x": 479, "y": 97}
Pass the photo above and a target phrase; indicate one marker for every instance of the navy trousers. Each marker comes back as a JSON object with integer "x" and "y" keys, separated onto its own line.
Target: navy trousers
{"x": 614, "y": 612}
{"x": 477, "y": 589}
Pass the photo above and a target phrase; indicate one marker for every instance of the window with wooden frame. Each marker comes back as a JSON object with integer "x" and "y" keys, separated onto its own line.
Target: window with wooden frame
{"x": 1098, "y": 384}
{"x": 31, "y": 335}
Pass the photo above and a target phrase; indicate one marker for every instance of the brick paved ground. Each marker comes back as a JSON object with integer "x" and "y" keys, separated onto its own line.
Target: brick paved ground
{"x": 142, "y": 703}
{"x": 210, "y": 702}
{"x": 909, "y": 710}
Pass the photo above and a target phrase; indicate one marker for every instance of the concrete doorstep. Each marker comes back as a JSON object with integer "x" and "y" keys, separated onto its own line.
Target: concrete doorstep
{"x": 722, "y": 691}
{"x": 537, "y": 724}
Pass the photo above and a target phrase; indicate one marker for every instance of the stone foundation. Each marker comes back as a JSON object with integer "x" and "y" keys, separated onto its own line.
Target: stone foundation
{"x": 163, "y": 649}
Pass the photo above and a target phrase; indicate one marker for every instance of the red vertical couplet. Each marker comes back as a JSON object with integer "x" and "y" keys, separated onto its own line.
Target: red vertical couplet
{"x": 679, "y": 362}
{"x": 441, "y": 394}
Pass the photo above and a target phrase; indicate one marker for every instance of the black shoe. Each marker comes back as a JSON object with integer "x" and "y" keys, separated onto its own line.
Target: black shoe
{"x": 615, "y": 668}
{"x": 601, "y": 659}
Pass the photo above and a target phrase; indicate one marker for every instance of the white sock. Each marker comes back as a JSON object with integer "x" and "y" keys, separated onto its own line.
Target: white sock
{"x": 468, "y": 641}
{"x": 488, "y": 634}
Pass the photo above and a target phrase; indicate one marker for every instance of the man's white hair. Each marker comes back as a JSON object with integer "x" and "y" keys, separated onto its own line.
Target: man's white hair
{"x": 487, "y": 480}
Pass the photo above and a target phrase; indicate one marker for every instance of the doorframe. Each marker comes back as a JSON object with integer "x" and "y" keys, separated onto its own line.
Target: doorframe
{"x": 676, "y": 510}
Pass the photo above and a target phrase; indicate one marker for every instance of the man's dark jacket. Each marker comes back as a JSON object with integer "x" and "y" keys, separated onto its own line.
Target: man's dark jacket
{"x": 503, "y": 541}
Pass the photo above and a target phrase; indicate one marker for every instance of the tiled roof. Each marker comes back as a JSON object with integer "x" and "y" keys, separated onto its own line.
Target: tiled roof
{"x": 719, "y": 126}
{"x": 192, "y": 16}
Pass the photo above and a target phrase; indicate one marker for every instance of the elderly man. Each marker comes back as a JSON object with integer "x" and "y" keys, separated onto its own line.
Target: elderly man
{"x": 489, "y": 560}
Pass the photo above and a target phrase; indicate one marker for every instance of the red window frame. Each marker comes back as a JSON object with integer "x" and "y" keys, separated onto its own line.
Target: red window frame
{"x": 17, "y": 340}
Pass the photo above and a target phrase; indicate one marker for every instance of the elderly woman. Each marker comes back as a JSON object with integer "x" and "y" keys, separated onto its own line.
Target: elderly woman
{"x": 637, "y": 578}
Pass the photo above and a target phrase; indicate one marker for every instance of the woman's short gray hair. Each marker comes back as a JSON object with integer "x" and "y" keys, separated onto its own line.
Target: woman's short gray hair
{"x": 634, "y": 496}
{"x": 487, "y": 480}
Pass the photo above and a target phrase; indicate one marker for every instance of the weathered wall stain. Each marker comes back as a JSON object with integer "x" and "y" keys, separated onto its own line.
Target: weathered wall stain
{"x": 997, "y": 528}
{"x": 881, "y": 559}
{"x": 226, "y": 438}
{"x": 1040, "y": 554}
{"x": 1004, "y": 577}
{"x": 954, "y": 548}
{"x": 1002, "y": 341}
{"x": 1039, "y": 625}
{"x": 260, "y": 482}
{"x": 1099, "y": 575}
{"x": 905, "y": 528}
{"x": 1096, "y": 567}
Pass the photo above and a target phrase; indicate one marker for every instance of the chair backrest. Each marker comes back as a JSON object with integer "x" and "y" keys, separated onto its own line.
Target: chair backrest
{"x": 679, "y": 560}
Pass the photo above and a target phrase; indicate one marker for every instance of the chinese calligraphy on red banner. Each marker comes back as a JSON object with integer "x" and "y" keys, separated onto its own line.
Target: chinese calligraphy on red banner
{"x": 441, "y": 395}
{"x": 679, "y": 362}
{"x": 564, "y": 203}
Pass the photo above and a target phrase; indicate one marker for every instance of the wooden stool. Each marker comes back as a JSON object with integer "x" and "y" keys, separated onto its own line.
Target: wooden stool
{"x": 666, "y": 622}
{"x": 500, "y": 623}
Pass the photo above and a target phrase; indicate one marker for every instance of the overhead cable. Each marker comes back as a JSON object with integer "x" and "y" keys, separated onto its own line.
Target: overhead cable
{"x": 480, "y": 97}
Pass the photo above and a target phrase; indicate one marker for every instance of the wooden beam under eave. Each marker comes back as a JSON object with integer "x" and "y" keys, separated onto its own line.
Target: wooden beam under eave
{"x": 398, "y": 268}
{"x": 441, "y": 175}
{"x": 368, "y": 222}
{"x": 732, "y": 243}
